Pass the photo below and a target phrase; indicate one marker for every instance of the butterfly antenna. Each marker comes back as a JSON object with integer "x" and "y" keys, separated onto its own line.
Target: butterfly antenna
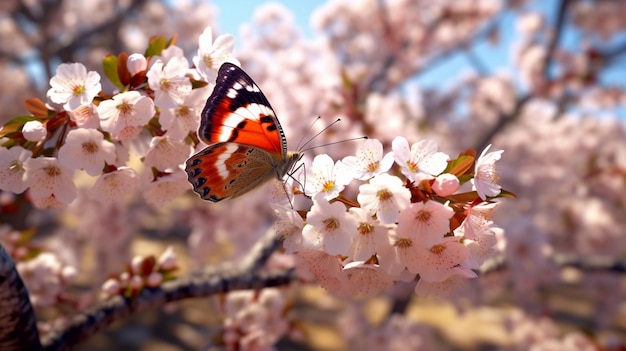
{"x": 335, "y": 142}
{"x": 308, "y": 129}
{"x": 301, "y": 148}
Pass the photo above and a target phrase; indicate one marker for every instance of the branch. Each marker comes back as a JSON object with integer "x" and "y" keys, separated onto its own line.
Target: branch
{"x": 18, "y": 326}
{"x": 585, "y": 263}
{"x": 97, "y": 318}
{"x": 556, "y": 37}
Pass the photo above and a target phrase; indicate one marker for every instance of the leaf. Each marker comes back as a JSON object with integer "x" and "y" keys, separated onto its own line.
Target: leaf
{"x": 109, "y": 66}
{"x": 172, "y": 41}
{"x": 156, "y": 46}
{"x": 15, "y": 125}
{"x": 459, "y": 166}
{"x": 36, "y": 107}
{"x": 195, "y": 84}
{"x": 506, "y": 193}
{"x": 122, "y": 69}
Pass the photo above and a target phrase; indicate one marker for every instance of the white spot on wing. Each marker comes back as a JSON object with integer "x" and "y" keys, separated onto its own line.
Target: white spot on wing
{"x": 232, "y": 93}
{"x": 253, "y": 111}
{"x": 237, "y": 86}
{"x": 253, "y": 88}
{"x": 222, "y": 158}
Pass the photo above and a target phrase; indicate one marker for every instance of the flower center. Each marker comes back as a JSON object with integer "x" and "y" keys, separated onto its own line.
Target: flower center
{"x": 412, "y": 166}
{"x": 423, "y": 216}
{"x": 404, "y": 243}
{"x": 52, "y": 171}
{"x": 438, "y": 249}
{"x": 183, "y": 111}
{"x": 125, "y": 108}
{"x": 365, "y": 228}
{"x": 384, "y": 195}
{"x": 166, "y": 84}
{"x": 15, "y": 166}
{"x": 78, "y": 89}
{"x": 328, "y": 186}
{"x": 372, "y": 167}
{"x": 331, "y": 223}
{"x": 90, "y": 147}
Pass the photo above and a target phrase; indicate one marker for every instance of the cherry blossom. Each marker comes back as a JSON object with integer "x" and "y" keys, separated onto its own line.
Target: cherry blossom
{"x": 212, "y": 54}
{"x": 440, "y": 261}
{"x": 486, "y": 175}
{"x": 365, "y": 279}
{"x": 46, "y": 178}
{"x": 421, "y": 161}
{"x": 165, "y": 153}
{"x": 86, "y": 116}
{"x": 86, "y": 149}
{"x": 327, "y": 177}
{"x": 329, "y": 228}
{"x": 385, "y": 196}
{"x": 12, "y": 168}
{"x": 169, "y": 82}
{"x": 165, "y": 189}
{"x": 116, "y": 186}
{"x": 371, "y": 235}
{"x": 128, "y": 109}
{"x": 369, "y": 160}
{"x": 288, "y": 226}
{"x": 185, "y": 118}
{"x": 73, "y": 86}
{"x": 425, "y": 223}
{"x": 34, "y": 131}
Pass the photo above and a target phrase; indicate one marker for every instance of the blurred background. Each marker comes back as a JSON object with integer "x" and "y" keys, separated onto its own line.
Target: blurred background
{"x": 542, "y": 80}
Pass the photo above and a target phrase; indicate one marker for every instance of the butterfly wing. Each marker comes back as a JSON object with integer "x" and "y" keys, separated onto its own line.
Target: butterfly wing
{"x": 228, "y": 169}
{"x": 237, "y": 111}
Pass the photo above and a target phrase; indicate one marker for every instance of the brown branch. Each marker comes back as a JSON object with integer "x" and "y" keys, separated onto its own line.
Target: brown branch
{"x": 18, "y": 326}
{"x": 97, "y": 318}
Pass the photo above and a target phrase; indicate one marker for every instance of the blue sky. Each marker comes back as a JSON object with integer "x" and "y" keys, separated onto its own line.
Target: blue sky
{"x": 496, "y": 58}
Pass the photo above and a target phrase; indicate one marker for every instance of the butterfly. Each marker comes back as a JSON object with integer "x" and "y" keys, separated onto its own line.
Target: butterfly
{"x": 247, "y": 144}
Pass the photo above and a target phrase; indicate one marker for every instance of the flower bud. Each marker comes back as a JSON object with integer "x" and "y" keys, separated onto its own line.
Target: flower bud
{"x": 111, "y": 287}
{"x": 154, "y": 280}
{"x": 167, "y": 260}
{"x": 34, "y": 131}
{"x": 446, "y": 184}
{"x": 136, "y": 63}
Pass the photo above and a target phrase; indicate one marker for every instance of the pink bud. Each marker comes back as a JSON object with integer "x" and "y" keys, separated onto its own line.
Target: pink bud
{"x": 446, "y": 184}
{"x": 136, "y": 63}
{"x": 34, "y": 131}
{"x": 167, "y": 260}
{"x": 111, "y": 286}
{"x": 154, "y": 279}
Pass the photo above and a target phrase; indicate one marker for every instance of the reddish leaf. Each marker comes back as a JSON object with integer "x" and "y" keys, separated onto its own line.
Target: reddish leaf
{"x": 122, "y": 69}
{"x": 36, "y": 107}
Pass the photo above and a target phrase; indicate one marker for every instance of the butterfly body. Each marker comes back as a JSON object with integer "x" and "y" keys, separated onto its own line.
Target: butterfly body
{"x": 247, "y": 144}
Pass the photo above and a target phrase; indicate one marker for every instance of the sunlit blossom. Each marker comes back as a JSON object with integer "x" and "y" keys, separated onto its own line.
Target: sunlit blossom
{"x": 212, "y": 54}
{"x": 425, "y": 223}
{"x": 486, "y": 177}
{"x": 327, "y": 177}
{"x": 46, "y": 177}
{"x": 169, "y": 82}
{"x": 128, "y": 109}
{"x": 86, "y": 149}
{"x": 73, "y": 86}
{"x": 420, "y": 161}
{"x": 385, "y": 195}
{"x": 369, "y": 160}
{"x": 12, "y": 168}
{"x": 329, "y": 228}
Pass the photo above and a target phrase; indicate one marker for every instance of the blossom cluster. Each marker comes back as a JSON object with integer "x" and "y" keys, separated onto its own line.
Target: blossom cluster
{"x": 154, "y": 115}
{"x": 253, "y": 320}
{"x": 417, "y": 219}
{"x": 142, "y": 272}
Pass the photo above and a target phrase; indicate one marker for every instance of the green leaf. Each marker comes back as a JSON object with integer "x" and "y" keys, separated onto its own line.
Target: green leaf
{"x": 459, "y": 166}
{"x": 156, "y": 46}
{"x": 109, "y": 66}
